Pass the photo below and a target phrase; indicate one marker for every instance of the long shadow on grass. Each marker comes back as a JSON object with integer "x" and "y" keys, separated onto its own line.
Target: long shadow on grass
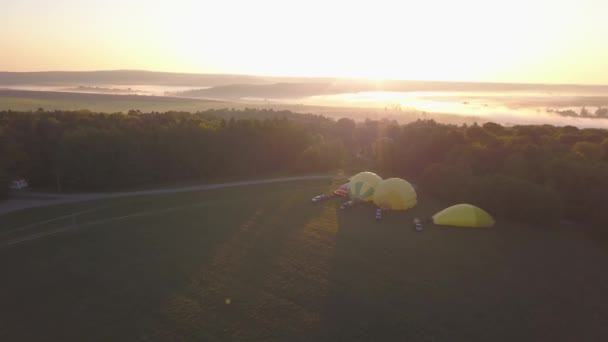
{"x": 114, "y": 283}
{"x": 509, "y": 283}
{"x": 367, "y": 273}
{"x": 228, "y": 297}
{"x": 102, "y": 285}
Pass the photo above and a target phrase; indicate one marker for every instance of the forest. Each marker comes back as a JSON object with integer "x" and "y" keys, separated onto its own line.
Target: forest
{"x": 536, "y": 174}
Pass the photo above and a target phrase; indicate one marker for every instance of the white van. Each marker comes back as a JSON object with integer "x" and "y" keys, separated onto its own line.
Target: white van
{"x": 18, "y": 184}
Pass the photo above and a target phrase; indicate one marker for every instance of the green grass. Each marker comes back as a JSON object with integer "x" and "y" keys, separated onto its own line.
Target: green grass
{"x": 293, "y": 271}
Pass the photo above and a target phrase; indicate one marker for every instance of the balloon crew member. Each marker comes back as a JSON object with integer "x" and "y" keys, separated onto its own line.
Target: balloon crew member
{"x": 418, "y": 224}
{"x": 378, "y": 214}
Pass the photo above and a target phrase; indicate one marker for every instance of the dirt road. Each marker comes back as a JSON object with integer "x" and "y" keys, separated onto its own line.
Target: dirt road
{"x": 34, "y": 199}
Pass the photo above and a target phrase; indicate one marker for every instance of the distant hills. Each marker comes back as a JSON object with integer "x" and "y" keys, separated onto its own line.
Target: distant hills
{"x": 124, "y": 90}
{"x": 239, "y": 86}
{"x": 123, "y": 77}
{"x": 286, "y": 90}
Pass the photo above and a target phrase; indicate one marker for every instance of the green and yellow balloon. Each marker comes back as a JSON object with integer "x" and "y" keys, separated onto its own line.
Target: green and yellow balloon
{"x": 362, "y": 186}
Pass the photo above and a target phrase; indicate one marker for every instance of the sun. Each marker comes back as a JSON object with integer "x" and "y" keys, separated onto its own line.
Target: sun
{"x": 389, "y": 40}
{"x": 468, "y": 40}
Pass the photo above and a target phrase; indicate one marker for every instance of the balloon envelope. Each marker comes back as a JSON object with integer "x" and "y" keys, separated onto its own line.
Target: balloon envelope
{"x": 362, "y": 185}
{"x": 395, "y": 194}
{"x": 342, "y": 190}
{"x": 463, "y": 215}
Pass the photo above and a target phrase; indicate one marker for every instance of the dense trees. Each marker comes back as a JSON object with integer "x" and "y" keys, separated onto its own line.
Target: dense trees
{"x": 530, "y": 173}
{"x": 92, "y": 151}
{"x": 599, "y": 113}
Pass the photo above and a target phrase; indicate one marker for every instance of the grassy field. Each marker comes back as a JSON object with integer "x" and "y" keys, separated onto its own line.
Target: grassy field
{"x": 161, "y": 268}
{"x": 32, "y": 100}
{"x": 24, "y": 100}
{"x": 21, "y": 100}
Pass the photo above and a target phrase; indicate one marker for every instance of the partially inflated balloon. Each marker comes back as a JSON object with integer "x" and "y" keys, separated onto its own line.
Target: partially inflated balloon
{"x": 463, "y": 215}
{"x": 362, "y": 185}
{"x": 395, "y": 194}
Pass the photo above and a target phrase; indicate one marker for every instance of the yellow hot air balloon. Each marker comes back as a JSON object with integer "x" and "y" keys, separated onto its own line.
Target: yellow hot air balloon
{"x": 361, "y": 186}
{"x": 463, "y": 215}
{"x": 395, "y": 194}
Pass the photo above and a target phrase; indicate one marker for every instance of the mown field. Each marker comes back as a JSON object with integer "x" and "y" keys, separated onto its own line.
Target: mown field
{"x": 109, "y": 103}
{"x": 25, "y": 100}
{"x": 21, "y": 100}
{"x": 161, "y": 268}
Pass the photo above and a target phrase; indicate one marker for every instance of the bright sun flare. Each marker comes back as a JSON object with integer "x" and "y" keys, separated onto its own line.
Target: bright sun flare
{"x": 435, "y": 39}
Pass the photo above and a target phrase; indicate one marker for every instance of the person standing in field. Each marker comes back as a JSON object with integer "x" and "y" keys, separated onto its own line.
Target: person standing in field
{"x": 418, "y": 224}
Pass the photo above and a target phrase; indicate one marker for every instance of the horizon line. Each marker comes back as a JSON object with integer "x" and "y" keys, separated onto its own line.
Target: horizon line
{"x": 353, "y": 78}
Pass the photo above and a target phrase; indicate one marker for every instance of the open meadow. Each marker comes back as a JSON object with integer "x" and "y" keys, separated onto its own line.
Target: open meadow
{"x": 28, "y": 100}
{"x": 53, "y": 100}
{"x": 261, "y": 262}
{"x": 174, "y": 171}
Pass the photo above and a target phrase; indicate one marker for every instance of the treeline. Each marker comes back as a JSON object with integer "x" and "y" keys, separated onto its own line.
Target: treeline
{"x": 529, "y": 173}
{"x": 94, "y": 151}
{"x": 599, "y": 113}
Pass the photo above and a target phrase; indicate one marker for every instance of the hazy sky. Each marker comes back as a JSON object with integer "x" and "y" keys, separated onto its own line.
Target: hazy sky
{"x": 551, "y": 41}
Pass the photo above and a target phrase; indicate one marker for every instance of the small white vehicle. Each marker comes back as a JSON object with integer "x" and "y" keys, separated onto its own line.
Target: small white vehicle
{"x": 347, "y": 205}
{"x": 18, "y": 184}
{"x": 319, "y": 198}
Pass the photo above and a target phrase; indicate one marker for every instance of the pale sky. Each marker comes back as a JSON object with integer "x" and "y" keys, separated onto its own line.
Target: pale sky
{"x": 545, "y": 41}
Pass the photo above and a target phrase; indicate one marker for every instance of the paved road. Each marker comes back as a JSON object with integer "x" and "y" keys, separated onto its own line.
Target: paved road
{"x": 34, "y": 199}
